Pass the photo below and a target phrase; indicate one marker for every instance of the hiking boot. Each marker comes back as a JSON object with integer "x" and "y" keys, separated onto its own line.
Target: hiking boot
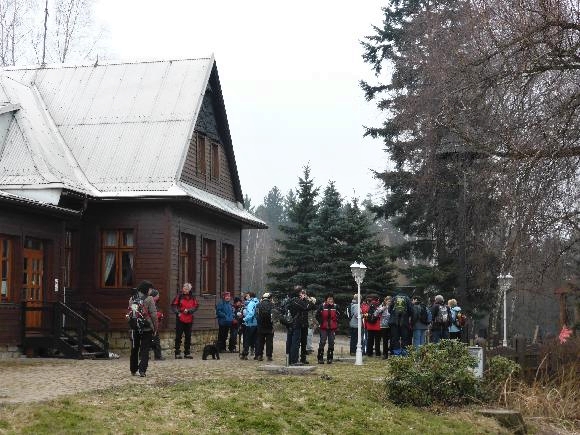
{"x": 260, "y": 358}
{"x": 320, "y": 361}
{"x": 133, "y": 373}
{"x": 188, "y": 356}
{"x": 244, "y": 357}
{"x": 304, "y": 361}
{"x": 142, "y": 374}
{"x": 178, "y": 356}
{"x": 329, "y": 361}
{"x": 161, "y": 358}
{"x": 270, "y": 358}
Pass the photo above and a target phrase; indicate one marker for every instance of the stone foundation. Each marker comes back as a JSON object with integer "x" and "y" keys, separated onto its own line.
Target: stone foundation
{"x": 9, "y": 352}
{"x": 120, "y": 343}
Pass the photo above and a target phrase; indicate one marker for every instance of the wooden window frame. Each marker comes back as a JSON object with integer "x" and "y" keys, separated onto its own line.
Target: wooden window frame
{"x": 187, "y": 261}
{"x": 228, "y": 266}
{"x": 208, "y": 267}
{"x": 215, "y": 161}
{"x": 6, "y": 265}
{"x": 118, "y": 250}
{"x": 201, "y": 155}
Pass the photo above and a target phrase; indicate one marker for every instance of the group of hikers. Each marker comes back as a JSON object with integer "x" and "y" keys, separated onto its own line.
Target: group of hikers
{"x": 247, "y": 324}
{"x": 388, "y": 326}
{"x": 399, "y": 321}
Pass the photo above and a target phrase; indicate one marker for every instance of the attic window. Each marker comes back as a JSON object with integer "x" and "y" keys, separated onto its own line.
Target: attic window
{"x": 215, "y": 161}
{"x": 201, "y": 165}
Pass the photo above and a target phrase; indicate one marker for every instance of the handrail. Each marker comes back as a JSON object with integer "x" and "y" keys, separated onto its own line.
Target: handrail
{"x": 102, "y": 319}
{"x": 62, "y": 321}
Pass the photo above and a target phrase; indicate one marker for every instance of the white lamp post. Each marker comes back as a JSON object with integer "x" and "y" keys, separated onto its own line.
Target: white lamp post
{"x": 358, "y": 273}
{"x": 505, "y": 282}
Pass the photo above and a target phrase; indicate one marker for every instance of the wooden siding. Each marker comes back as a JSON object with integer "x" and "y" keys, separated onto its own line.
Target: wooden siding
{"x": 149, "y": 223}
{"x": 201, "y": 224}
{"x": 157, "y": 235}
{"x": 207, "y": 125}
{"x": 10, "y": 315}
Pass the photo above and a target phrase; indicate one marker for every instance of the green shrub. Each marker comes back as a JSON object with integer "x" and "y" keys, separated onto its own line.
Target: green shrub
{"x": 498, "y": 378}
{"x": 434, "y": 373}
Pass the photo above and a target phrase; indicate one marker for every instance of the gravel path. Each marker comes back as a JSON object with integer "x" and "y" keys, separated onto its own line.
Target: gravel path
{"x": 29, "y": 380}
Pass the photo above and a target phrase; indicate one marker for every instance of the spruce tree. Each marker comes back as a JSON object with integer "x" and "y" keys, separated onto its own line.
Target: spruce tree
{"x": 294, "y": 261}
{"x": 327, "y": 235}
{"x": 360, "y": 244}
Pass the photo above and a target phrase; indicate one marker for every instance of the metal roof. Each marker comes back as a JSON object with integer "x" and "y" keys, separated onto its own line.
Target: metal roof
{"x": 104, "y": 130}
{"x": 125, "y": 125}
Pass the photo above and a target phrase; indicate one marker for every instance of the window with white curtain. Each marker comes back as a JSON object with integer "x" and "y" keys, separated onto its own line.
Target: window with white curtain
{"x": 118, "y": 258}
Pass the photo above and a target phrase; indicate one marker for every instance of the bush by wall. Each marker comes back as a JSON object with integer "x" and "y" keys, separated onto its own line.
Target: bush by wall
{"x": 434, "y": 373}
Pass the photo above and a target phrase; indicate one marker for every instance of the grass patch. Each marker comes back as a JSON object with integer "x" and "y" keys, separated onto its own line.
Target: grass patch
{"x": 336, "y": 399}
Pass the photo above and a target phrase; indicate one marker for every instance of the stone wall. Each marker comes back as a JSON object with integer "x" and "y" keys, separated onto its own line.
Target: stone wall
{"x": 8, "y": 352}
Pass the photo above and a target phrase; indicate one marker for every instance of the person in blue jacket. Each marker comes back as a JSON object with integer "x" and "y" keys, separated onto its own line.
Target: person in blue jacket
{"x": 224, "y": 311}
{"x": 251, "y": 324}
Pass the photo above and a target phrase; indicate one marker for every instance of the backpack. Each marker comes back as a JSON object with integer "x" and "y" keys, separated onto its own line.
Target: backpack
{"x": 443, "y": 316}
{"x": 424, "y": 314}
{"x": 372, "y": 315}
{"x": 287, "y": 319}
{"x": 264, "y": 313}
{"x": 399, "y": 305}
{"x": 136, "y": 313}
{"x": 460, "y": 320}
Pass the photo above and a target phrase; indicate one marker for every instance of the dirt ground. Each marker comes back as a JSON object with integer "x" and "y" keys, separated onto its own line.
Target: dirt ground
{"x": 27, "y": 380}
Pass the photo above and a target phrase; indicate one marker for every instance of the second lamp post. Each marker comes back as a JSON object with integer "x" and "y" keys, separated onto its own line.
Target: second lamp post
{"x": 358, "y": 273}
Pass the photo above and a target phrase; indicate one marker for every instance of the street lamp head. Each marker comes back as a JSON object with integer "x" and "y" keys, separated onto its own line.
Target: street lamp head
{"x": 358, "y": 271}
{"x": 505, "y": 281}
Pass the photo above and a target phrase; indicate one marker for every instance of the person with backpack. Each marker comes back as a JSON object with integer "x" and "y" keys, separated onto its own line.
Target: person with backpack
{"x": 142, "y": 308}
{"x": 400, "y": 312}
{"x": 457, "y": 320}
{"x": 184, "y": 305}
{"x": 250, "y": 325}
{"x": 383, "y": 310}
{"x": 298, "y": 306}
{"x": 364, "y": 312}
{"x": 224, "y": 312}
{"x": 373, "y": 327}
{"x": 238, "y": 323}
{"x": 353, "y": 324}
{"x": 327, "y": 317}
{"x": 156, "y": 342}
{"x": 441, "y": 316}
{"x": 420, "y": 321}
{"x": 265, "y": 334}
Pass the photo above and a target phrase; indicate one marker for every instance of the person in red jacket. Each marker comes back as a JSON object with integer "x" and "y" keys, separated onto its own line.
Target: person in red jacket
{"x": 327, "y": 317}
{"x": 373, "y": 327}
{"x": 184, "y": 305}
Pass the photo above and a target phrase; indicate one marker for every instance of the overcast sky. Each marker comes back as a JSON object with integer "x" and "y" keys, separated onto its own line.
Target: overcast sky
{"x": 289, "y": 73}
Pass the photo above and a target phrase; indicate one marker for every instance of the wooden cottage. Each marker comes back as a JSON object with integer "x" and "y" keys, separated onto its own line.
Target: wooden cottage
{"x": 109, "y": 175}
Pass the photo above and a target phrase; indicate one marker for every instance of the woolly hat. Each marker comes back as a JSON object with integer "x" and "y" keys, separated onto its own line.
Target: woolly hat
{"x": 144, "y": 287}
{"x": 266, "y": 295}
{"x": 154, "y": 292}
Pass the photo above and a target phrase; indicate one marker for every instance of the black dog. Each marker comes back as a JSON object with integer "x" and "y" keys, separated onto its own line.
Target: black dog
{"x": 211, "y": 349}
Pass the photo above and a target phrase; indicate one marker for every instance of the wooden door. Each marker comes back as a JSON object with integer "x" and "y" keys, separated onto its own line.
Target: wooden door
{"x": 32, "y": 285}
